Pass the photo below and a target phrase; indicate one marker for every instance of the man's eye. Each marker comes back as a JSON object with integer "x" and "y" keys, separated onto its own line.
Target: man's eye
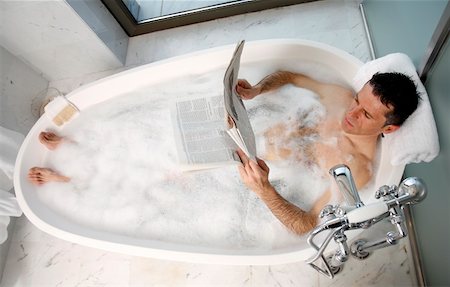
{"x": 367, "y": 115}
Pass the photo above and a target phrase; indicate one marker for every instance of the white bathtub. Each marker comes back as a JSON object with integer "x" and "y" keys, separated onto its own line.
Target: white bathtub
{"x": 32, "y": 153}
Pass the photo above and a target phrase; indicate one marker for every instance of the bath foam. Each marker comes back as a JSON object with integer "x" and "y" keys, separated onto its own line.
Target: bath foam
{"x": 125, "y": 178}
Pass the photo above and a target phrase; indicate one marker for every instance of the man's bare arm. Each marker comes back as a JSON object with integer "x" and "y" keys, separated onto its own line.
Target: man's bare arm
{"x": 255, "y": 176}
{"x": 278, "y": 79}
{"x": 281, "y": 78}
{"x": 296, "y": 219}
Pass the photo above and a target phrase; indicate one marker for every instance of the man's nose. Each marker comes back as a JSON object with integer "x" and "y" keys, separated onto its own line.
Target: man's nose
{"x": 354, "y": 112}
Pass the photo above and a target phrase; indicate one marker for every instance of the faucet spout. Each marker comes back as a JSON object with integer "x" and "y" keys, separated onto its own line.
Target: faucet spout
{"x": 346, "y": 184}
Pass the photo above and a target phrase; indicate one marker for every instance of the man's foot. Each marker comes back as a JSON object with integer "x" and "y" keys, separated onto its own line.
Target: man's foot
{"x": 40, "y": 175}
{"x": 50, "y": 140}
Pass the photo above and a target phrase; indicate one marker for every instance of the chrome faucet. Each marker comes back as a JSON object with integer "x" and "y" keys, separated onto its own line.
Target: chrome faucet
{"x": 346, "y": 184}
{"x": 338, "y": 221}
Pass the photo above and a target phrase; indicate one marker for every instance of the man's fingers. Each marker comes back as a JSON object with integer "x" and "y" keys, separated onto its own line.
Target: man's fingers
{"x": 252, "y": 172}
{"x": 243, "y": 89}
{"x": 256, "y": 169}
{"x": 262, "y": 164}
{"x": 242, "y": 171}
{"x": 244, "y": 158}
{"x": 259, "y": 164}
{"x": 243, "y": 83}
{"x": 240, "y": 86}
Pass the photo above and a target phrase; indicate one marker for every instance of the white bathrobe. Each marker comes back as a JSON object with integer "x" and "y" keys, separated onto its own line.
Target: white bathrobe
{"x": 10, "y": 142}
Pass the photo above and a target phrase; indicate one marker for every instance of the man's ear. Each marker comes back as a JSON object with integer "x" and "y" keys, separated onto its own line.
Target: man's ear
{"x": 390, "y": 128}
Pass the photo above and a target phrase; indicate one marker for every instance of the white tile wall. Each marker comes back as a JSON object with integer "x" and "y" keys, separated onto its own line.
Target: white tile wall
{"x": 98, "y": 18}
{"x": 51, "y": 38}
{"x": 20, "y": 90}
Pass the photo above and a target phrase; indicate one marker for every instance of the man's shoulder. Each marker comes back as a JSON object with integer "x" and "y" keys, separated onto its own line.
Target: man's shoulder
{"x": 335, "y": 94}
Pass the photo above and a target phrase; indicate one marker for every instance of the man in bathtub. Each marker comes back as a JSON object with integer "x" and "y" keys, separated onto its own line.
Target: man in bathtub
{"x": 348, "y": 134}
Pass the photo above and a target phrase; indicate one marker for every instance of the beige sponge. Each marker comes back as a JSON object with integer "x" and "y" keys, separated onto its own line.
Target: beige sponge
{"x": 60, "y": 111}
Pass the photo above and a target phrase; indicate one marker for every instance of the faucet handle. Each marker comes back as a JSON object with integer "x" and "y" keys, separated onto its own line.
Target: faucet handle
{"x": 327, "y": 210}
{"x": 331, "y": 211}
{"x": 387, "y": 192}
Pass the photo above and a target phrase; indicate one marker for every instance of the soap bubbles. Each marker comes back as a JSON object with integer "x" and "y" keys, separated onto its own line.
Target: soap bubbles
{"x": 125, "y": 178}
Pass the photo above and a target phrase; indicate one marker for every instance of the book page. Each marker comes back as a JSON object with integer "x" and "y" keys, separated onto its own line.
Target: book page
{"x": 235, "y": 107}
{"x": 200, "y": 133}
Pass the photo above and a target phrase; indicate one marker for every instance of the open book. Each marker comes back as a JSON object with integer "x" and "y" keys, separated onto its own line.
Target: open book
{"x": 209, "y": 130}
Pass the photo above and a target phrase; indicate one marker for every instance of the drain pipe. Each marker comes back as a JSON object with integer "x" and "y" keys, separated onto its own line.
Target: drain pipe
{"x": 366, "y": 28}
{"x": 415, "y": 252}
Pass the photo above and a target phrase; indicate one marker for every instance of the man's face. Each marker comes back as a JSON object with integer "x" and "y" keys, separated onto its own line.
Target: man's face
{"x": 366, "y": 115}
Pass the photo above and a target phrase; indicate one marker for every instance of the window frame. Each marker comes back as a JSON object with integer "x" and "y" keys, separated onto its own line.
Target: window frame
{"x": 134, "y": 28}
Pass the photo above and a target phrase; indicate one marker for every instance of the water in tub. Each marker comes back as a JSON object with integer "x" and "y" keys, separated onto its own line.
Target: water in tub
{"x": 122, "y": 159}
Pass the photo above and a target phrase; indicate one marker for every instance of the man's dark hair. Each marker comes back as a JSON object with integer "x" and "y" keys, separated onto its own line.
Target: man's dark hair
{"x": 396, "y": 90}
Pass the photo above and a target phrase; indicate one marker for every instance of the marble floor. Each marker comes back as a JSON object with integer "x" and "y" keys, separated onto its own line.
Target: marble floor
{"x": 38, "y": 259}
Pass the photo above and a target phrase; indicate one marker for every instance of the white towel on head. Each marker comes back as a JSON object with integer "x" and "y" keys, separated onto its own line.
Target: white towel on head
{"x": 417, "y": 139}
